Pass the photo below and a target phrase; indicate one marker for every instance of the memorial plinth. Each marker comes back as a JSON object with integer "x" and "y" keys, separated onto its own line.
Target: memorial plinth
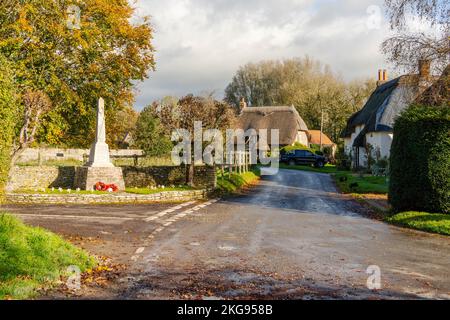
{"x": 99, "y": 168}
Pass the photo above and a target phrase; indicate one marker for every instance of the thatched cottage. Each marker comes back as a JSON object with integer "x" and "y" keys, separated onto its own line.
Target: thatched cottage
{"x": 371, "y": 128}
{"x": 292, "y": 128}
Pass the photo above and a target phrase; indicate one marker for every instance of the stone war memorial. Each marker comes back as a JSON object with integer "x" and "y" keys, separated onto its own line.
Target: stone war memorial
{"x": 99, "y": 168}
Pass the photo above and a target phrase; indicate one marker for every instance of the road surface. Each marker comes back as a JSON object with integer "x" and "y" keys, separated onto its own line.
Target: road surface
{"x": 291, "y": 237}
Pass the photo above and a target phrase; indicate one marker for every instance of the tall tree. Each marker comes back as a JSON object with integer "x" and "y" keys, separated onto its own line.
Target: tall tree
{"x": 9, "y": 113}
{"x": 212, "y": 113}
{"x": 406, "y": 46}
{"x": 150, "y": 135}
{"x": 305, "y": 83}
{"x": 120, "y": 123}
{"x": 75, "y": 51}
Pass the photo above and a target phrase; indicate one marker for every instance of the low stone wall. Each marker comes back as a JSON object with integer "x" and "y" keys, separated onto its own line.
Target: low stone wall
{"x": 120, "y": 198}
{"x": 45, "y": 154}
{"x": 152, "y": 176}
{"x": 33, "y": 178}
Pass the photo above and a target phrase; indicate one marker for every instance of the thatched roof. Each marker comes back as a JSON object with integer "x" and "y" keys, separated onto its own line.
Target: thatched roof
{"x": 314, "y": 138}
{"x": 285, "y": 119}
{"x": 439, "y": 93}
{"x": 384, "y": 106}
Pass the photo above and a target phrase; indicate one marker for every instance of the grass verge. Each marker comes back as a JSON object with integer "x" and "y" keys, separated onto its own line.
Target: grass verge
{"x": 430, "y": 222}
{"x": 33, "y": 258}
{"x": 231, "y": 184}
{"x": 353, "y": 183}
{"x": 158, "y": 190}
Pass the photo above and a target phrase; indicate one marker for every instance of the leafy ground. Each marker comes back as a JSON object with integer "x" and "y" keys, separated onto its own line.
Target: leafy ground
{"x": 430, "y": 222}
{"x": 32, "y": 258}
{"x": 230, "y": 184}
{"x": 353, "y": 183}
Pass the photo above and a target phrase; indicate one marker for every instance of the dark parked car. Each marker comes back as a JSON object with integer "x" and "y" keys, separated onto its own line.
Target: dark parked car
{"x": 302, "y": 157}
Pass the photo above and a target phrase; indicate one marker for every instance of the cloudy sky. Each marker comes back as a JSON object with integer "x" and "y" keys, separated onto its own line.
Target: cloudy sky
{"x": 201, "y": 43}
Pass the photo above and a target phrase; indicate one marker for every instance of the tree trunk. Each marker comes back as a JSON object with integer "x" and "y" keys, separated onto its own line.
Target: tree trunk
{"x": 190, "y": 169}
{"x": 14, "y": 157}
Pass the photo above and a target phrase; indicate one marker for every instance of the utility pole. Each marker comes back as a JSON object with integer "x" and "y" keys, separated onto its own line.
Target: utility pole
{"x": 321, "y": 129}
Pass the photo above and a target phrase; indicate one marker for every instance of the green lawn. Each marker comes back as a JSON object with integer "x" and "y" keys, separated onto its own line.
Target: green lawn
{"x": 226, "y": 184}
{"x": 327, "y": 169}
{"x": 31, "y": 258}
{"x": 353, "y": 183}
{"x": 57, "y": 192}
{"x": 430, "y": 222}
{"x": 150, "y": 191}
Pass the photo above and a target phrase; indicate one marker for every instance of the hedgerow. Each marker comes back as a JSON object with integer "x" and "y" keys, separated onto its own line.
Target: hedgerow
{"x": 420, "y": 160}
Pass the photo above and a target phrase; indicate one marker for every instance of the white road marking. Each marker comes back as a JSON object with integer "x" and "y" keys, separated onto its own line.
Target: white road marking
{"x": 167, "y": 211}
{"x": 140, "y": 250}
{"x": 173, "y": 219}
{"x": 227, "y": 248}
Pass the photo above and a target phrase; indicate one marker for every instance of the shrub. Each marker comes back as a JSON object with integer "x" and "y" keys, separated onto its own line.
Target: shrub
{"x": 420, "y": 160}
{"x": 343, "y": 160}
{"x": 382, "y": 163}
{"x": 8, "y": 116}
{"x": 299, "y": 146}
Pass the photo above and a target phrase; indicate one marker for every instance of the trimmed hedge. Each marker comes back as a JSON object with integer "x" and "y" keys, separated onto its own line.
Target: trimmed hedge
{"x": 420, "y": 160}
{"x": 8, "y": 115}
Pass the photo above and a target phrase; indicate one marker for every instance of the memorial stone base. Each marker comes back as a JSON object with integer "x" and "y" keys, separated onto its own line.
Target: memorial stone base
{"x": 87, "y": 177}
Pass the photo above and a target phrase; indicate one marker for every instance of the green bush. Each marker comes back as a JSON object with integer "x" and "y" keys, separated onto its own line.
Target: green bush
{"x": 420, "y": 160}
{"x": 343, "y": 160}
{"x": 8, "y": 116}
{"x": 299, "y": 146}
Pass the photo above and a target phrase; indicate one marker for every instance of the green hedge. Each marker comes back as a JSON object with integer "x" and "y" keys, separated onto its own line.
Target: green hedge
{"x": 420, "y": 160}
{"x": 8, "y": 114}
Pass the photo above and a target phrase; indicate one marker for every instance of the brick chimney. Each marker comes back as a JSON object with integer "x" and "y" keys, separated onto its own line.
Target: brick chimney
{"x": 382, "y": 77}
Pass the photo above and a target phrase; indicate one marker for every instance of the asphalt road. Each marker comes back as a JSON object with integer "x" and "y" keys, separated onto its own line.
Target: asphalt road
{"x": 291, "y": 237}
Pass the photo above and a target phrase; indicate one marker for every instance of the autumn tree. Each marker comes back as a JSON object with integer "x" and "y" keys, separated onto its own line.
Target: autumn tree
{"x": 120, "y": 123}
{"x": 36, "y": 105}
{"x": 75, "y": 52}
{"x": 406, "y": 47}
{"x": 9, "y": 112}
{"x": 313, "y": 88}
{"x": 190, "y": 109}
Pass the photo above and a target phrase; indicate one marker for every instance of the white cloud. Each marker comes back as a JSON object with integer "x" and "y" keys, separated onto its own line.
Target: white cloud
{"x": 201, "y": 43}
